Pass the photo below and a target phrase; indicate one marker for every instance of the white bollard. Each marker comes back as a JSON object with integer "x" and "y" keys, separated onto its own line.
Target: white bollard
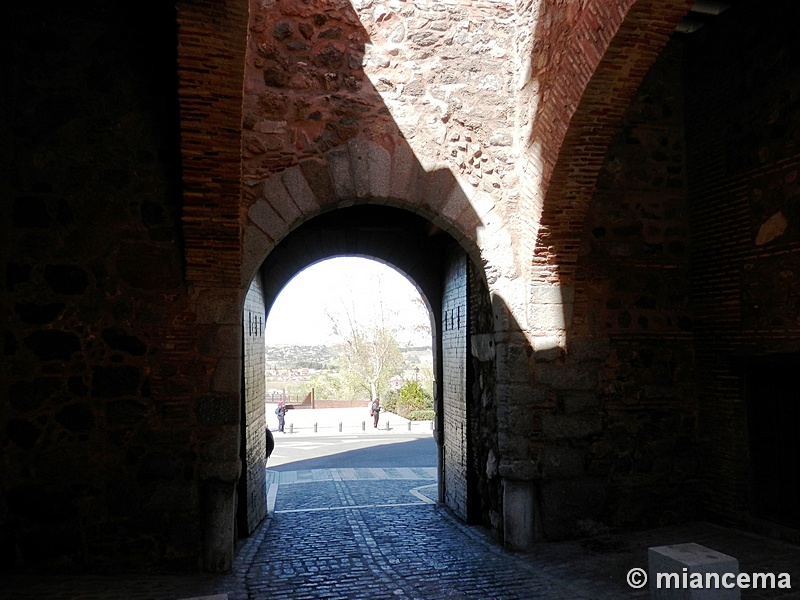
{"x": 672, "y": 570}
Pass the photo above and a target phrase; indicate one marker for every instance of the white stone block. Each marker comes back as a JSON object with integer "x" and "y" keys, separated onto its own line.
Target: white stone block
{"x": 691, "y": 572}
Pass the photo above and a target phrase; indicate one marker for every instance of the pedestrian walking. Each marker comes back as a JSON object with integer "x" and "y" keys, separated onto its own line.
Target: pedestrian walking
{"x": 281, "y": 412}
{"x": 375, "y": 411}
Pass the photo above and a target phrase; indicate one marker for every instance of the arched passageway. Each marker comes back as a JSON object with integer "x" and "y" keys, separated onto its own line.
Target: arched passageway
{"x": 457, "y": 299}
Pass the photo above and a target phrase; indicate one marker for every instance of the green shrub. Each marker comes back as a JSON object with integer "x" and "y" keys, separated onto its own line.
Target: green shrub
{"x": 412, "y": 399}
{"x": 389, "y": 402}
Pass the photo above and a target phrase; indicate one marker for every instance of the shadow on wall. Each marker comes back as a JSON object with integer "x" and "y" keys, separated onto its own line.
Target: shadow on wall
{"x": 616, "y": 426}
{"x": 319, "y": 136}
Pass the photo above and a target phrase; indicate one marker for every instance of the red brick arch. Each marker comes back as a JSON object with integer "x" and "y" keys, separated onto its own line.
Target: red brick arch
{"x": 585, "y": 97}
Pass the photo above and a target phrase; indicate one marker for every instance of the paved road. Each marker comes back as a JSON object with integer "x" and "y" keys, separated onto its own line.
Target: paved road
{"x": 315, "y": 452}
{"x": 369, "y": 538}
{"x": 374, "y": 533}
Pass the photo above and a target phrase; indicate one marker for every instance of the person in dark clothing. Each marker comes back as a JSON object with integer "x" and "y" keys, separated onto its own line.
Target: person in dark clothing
{"x": 281, "y": 412}
{"x": 375, "y": 411}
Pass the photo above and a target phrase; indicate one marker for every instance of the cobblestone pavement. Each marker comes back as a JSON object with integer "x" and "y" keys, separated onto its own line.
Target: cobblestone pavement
{"x": 376, "y": 534}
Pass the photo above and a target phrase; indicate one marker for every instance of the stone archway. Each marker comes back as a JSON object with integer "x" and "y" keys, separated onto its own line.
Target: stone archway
{"x": 437, "y": 265}
{"x": 373, "y": 163}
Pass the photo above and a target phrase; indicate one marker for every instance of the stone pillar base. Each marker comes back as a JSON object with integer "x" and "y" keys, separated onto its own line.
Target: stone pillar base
{"x": 219, "y": 513}
{"x": 519, "y": 518}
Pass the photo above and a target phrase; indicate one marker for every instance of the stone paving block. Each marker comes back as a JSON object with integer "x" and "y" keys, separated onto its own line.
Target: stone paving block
{"x": 381, "y": 547}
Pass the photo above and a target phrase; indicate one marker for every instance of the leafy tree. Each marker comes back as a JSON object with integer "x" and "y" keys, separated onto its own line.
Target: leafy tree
{"x": 369, "y": 358}
{"x": 369, "y": 354}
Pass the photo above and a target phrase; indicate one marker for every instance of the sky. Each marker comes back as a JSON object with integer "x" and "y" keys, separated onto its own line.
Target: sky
{"x": 346, "y": 286}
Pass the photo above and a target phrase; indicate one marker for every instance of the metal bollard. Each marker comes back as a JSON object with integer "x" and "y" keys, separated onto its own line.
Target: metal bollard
{"x": 387, "y": 425}
{"x": 409, "y": 425}
{"x": 340, "y": 427}
{"x": 315, "y": 428}
{"x": 291, "y": 427}
{"x": 363, "y": 425}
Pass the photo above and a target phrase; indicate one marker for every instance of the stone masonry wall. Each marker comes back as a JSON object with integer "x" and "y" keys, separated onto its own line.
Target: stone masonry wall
{"x": 425, "y": 82}
{"x": 619, "y": 444}
{"x": 743, "y": 129}
{"x": 324, "y": 72}
{"x": 252, "y": 489}
{"x": 99, "y": 461}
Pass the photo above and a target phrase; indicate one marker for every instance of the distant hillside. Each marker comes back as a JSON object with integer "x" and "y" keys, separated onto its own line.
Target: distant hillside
{"x": 297, "y": 357}
{"x": 317, "y": 357}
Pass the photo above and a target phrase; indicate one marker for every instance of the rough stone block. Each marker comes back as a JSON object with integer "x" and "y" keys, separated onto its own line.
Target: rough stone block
{"x": 562, "y": 462}
{"x": 276, "y": 195}
{"x": 318, "y": 177}
{"x": 552, "y": 294}
{"x": 514, "y": 360}
{"x": 404, "y": 172}
{"x": 551, "y": 317}
{"x": 571, "y": 427}
{"x": 548, "y": 348}
{"x": 360, "y": 166}
{"x": 671, "y": 570}
{"x": 380, "y": 165}
{"x": 341, "y": 174}
{"x": 266, "y": 219}
{"x": 567, "y": 502}
{"x": 300, "y": 190}
{"x": 589, "y": 348}
{"x": 518, "y": 514}
{"x": 218, "y": 410}
{"x": 566, "y": 377}
{"x": 255, "y": 246}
